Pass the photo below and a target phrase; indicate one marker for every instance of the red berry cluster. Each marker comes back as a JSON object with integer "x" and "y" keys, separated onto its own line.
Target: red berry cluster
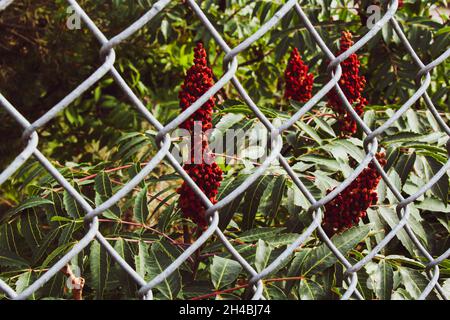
{"x": 199, "y": 79}
{"x": 298, "y": 81}
{"x": 205, "y": 173}
{"x": 352, "y": 84}
{"x": 347, "y": 208}
{"x": 207, "y": 177}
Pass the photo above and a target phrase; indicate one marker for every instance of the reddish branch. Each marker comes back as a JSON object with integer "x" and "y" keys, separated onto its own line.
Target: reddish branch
{"x": 219, "y": 292}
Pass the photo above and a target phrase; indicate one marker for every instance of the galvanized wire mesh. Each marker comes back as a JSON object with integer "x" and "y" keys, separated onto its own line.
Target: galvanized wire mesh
{"x": 231, "y": 65}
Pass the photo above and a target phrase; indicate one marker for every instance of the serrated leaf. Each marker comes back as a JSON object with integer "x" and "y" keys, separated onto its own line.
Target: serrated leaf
{"x": 311, "y": 290}
{"x": 104, "y": 191}
{"x": 385, "y": 275}
{"x": 45, "y": 244}
{"x": 433, "y": 204}
{"x": 103, "y": 184}
{"x": 296, "y": 266}
{"x": 99, "y": 265}
{"x": 259, "y": 233}
{"x": 322, "y": 124}
{"x": 322, "y": 257}
{"x": 226, "y": 187}
{"x": 263, "y": 251}
{"x": 72, "y": 207}
{"x": 414, "y": 281}
{"x": 11, "y": 259}
{"x": 140, "y": 209}
{"x": 440, "y": 189}
{"x": 59, "y": 251}
{"x": 310, "y": 131}
{"x": 23, "y": 281}
{"x": 390, "y": 216}
{"x": 394, "y": 178}
{"x": 224, "y": 271}
{"x": 405, "y": 165}
{"x": 281, "y": 239}
{"x": 127, "y": 282}
{"x": 141, "y": 258}
{"x": 31, "y": 203}
{"x": 252, "y": 200}
{"x": 277, "y": 195}
{"x": 158, "y": 261}
{"x": 66, "y": 234}
{"x": 29, "y": 224}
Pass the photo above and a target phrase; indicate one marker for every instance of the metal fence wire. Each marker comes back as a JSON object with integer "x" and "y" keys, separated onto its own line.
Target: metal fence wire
{"x": 231, "y": 66}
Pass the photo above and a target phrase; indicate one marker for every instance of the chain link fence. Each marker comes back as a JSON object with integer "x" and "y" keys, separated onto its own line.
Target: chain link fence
{"x": 231, "y": 66}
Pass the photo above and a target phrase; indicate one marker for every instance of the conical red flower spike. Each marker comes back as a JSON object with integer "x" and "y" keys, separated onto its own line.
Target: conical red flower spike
{"x": 348, "y": 207}
{"x": 352, "y": 84}
{"x": 205, "y": 172}
{"x": 199, "y": 79}
{"x": 298, "y": 81}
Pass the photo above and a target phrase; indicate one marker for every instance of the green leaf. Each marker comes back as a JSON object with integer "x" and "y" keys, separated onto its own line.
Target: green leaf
{"x": 103, "y": 184}
{"x": 310, "y": 131}
{"x": 45, "y": 244}
{"x": 158, "y": 261}
{"x": 72, "y": 207}
{"x": 397, "y": 182}
{"x": 321, "y": 258}
{"x": 327, "y": 163}
{"x": 29, "y": 224}
{"x": 252, "y": 200}
{"x": 296, "y": 266}
{"x": 225, "y": 123}
{"x": 226, "y": 187}
{"x": 263, "y": 251}
{"x": 311, "y": 290}
{"x": 10, "y": 259}
{"x": 413, "y": 120}
{"x": 59, "y": 251}
{"x": 127, "y": 282}
{"x": 99, "y": 265}
{"x": 277, "y": 195}
{"x": 405, "y": 165}
{"x": 390, "y": 216}
{"x": 440, "y": 189}
{"x": 140, "y": 209}
{"x": 322, "y": 124}
{"x": 24, "y": 281}
{"x": 433, "y": 204}
{"x": 385, "y": 286}
{"x": 31, "y": 202}
{"x": 259, "y": 233}
{"x": 281, "y": 239}
{"x": 414, "y": 281}
{"x": 67, "y": 231}
{"x": 141, "y": 258}
{"x": 224, "y": 271}
{"x": 104, "y": 191}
